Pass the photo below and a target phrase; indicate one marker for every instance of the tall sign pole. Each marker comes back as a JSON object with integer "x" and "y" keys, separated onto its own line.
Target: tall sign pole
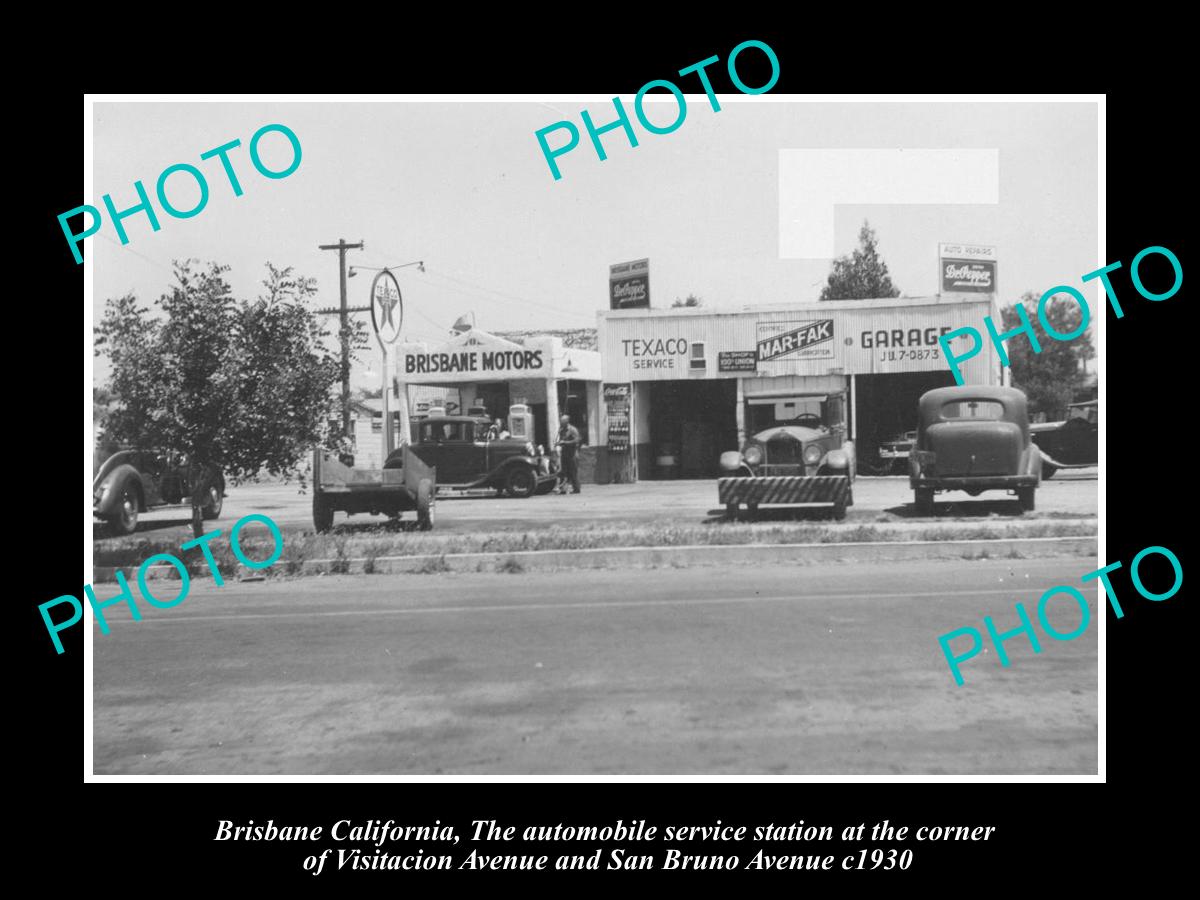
{"x": 344, "y": 316}
{"x": 387, "y": 315}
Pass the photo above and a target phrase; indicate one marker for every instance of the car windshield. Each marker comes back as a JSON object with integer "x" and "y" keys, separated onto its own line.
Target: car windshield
{"x": 1087, "y": 413}
{"x": 973, "y": 409}
{"x": 433, "y": 432}
{"x": 820, "y": 411}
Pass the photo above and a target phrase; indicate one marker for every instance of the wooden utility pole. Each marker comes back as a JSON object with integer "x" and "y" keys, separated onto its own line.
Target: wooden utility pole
{"x": 344, "y": 316}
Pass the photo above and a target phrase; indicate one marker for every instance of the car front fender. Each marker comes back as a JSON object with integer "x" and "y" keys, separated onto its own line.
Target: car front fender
{"x": 498, "y": 474}
{"x": 840, "y": 460}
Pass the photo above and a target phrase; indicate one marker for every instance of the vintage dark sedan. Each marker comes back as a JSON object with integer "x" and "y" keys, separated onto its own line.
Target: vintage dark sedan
{"x": 1070, "y": 444}
{"x": 131, "y": 481}
{"x": 806, "y": 463}
{"x": 467, "y": 454}
{"x": 973, "y": 438}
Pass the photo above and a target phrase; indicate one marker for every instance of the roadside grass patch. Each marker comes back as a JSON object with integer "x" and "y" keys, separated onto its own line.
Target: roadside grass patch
{"x": 297, "y": 549}
{"x": 433, "y": 566}
{"x": 371, "y": 552}
{"x": 510, "y": 565}
{"x": 337, "y": 553}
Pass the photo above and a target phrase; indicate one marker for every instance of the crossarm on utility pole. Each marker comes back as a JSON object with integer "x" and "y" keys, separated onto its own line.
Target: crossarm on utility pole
{"x": 344, "y": 316}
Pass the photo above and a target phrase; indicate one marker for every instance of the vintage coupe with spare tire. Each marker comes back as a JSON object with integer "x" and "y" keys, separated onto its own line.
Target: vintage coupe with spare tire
{"x": 973, "y": 438}
{"x": 1072, "y": 443}
{"x": 131, "y": 481}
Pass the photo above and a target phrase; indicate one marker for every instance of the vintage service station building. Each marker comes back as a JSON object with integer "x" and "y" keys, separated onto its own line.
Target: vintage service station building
{"x": 682, "y": 385}
{"x": 670, "y": 389}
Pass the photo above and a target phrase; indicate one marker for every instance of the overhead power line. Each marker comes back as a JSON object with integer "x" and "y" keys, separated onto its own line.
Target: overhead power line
{"x": 485, "y": 293}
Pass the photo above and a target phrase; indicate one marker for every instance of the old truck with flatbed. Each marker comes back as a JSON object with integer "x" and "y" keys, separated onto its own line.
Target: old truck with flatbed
{"x": 409, "y": 486}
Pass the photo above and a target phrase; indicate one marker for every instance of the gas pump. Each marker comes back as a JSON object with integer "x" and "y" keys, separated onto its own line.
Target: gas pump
{"x": 520, "y": 421}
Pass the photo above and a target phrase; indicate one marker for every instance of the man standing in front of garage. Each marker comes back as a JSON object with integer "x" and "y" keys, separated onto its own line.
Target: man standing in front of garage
{"x": 568, "y": 447}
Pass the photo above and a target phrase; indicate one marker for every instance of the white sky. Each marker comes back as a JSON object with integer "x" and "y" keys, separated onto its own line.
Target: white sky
{"x": 464, "y": 187}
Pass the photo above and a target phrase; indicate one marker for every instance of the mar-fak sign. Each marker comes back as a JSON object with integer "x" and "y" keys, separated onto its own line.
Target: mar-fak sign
{"x": 795, "y": 340}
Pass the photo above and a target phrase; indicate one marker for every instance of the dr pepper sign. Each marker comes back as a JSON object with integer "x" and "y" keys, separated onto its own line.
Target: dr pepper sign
{"x": 967, "y": 268}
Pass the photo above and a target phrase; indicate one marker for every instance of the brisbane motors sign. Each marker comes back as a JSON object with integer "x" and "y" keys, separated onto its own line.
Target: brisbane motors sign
{"x": 469, "y": 356}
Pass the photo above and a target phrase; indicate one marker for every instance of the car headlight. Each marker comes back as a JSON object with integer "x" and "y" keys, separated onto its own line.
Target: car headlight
{"x": 753, "y": 454}
{"x": 812, "y": 454}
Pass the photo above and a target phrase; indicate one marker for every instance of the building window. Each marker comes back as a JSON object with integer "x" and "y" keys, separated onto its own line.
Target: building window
{"x": 697, "y": 360}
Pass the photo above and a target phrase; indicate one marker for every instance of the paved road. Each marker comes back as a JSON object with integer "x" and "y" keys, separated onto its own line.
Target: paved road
{"x": 771, "y": 669}
{"x": 679, "y": 502}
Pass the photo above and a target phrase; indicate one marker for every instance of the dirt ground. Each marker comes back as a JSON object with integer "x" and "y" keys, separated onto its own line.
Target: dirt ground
{"x": 886, "y": 499}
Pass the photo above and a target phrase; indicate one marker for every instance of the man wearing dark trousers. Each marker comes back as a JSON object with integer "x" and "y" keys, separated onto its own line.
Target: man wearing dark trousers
{"x": 568, "y": 448}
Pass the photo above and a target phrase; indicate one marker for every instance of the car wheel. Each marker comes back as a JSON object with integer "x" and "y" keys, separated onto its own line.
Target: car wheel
{"x": 322, "y": 512}
{"x": 1025, "y": 498}
{"x": 216, "y": 499}
{"x": 923, "y": 500}
{"x": 1048, "y": 471}
{"x": 521, "y": 482}
{"x": 126, "y": 519}
{"x": 426, "y": 504}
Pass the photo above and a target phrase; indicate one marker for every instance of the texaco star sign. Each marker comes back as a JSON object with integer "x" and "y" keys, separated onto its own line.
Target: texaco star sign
{"x": 387, "y": 309}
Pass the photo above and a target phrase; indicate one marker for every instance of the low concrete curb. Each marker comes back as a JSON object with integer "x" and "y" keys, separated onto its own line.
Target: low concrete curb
{"x": 671, "y": 557}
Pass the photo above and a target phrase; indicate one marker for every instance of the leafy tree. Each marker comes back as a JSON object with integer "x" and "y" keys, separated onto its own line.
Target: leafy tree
{"x": 862, "y": 275}
{"x": 1049, "y": 378}
{"x": 690, "y": 300}
{"x": 101, "y": 400}
{"x": 234, "y": 386}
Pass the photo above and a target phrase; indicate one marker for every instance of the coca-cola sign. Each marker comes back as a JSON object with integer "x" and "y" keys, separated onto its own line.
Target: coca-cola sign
{"x": 970, "y": 276}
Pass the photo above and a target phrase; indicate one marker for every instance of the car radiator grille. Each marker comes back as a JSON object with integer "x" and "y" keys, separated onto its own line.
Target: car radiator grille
{"x": 785, "y": 451}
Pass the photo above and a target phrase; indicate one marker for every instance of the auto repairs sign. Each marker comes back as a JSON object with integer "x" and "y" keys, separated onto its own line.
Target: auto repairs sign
{"x": 969, "y": 268}
{"x": 812, "y": 339}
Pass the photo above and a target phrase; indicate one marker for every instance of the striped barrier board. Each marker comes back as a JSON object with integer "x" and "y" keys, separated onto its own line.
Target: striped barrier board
{"x": 784, "y": 489}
